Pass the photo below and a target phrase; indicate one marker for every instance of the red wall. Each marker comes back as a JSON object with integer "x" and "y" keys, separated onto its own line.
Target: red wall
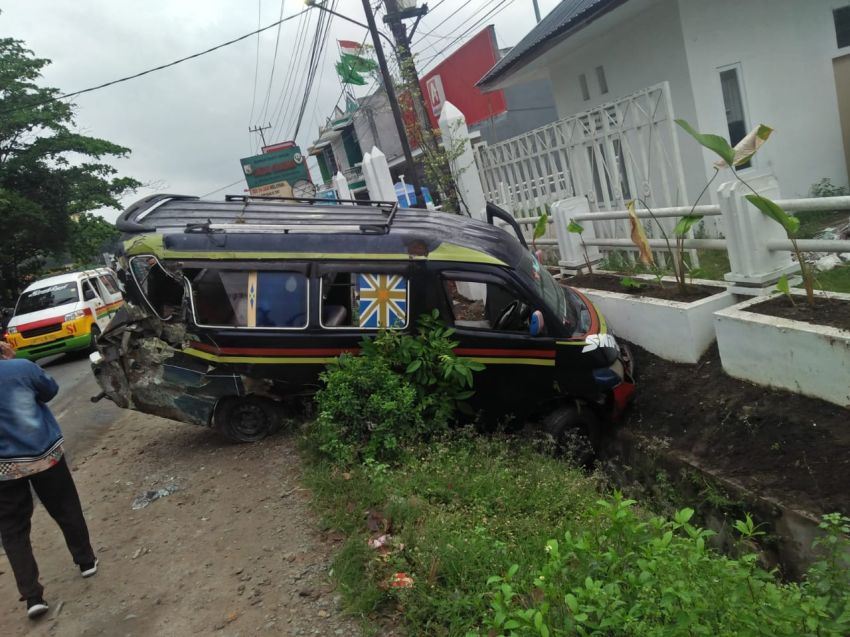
{"x": 458, "y": 74}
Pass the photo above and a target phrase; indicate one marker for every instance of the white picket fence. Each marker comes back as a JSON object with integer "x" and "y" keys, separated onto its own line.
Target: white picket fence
{"x": 623, "y": 150}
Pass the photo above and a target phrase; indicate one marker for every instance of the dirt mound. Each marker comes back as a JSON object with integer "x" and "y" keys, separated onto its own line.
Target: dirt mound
{"x": 779, "y": 444}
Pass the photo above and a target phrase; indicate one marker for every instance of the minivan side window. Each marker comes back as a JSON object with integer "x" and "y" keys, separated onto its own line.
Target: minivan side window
{"x": 364, "y": 300}
{"x": 485, "y": 306}
{"x": 99, "y": 287}
{"x": 250, "y": 299}
{"x": 109, "y": 283}
{"x": 90, "y": 292}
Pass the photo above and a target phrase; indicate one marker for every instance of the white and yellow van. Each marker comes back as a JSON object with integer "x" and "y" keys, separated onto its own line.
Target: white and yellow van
{"x": 63, "y": 313}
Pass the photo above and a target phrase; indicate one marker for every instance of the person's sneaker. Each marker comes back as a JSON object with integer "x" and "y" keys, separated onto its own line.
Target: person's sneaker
{"x": 87, "y": 570}
{"x": 36, "y": 607}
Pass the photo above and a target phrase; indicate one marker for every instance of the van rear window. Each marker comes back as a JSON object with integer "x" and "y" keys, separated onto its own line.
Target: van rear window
{"x": 45, "y": 298}
{"x": 250, "y": 298}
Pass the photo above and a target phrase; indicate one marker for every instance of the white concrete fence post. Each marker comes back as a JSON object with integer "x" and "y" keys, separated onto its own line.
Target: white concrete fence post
{"x": 754, "y": 268}
{"x": 341, "y": 186}
{"x": 572, "y": 260}
{"x": 369, "y": 176}
{"x": 464, "y": 169}
{"x": 376, "y": 173}
{"x": 382, "y": 175}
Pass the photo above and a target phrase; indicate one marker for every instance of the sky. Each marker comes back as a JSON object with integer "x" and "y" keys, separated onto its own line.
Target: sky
{"x": 187, "y": 126}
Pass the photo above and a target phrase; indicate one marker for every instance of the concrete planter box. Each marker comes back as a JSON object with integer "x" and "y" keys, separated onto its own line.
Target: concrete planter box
{"x": 805, "y": 358}
{"x": 675, "y": 331}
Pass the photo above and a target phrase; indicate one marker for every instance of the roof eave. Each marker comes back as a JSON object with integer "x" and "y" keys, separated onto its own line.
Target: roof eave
{"x": 497, "y": 78}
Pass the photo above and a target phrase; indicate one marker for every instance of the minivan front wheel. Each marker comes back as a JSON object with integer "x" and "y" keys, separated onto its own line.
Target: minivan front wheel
{"x": 575, "y": 431}
{"x": 248, "y": 419}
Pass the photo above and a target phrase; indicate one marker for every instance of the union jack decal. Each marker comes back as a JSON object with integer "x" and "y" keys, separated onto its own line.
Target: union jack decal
{"x": 383, "y": 300}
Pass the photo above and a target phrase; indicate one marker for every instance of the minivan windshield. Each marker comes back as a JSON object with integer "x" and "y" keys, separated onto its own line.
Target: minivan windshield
{"x": 45, "y": 298}
{"x": 552, "y": 293}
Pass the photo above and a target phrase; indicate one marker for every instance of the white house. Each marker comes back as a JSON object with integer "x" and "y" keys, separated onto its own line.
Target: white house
{"x": 729, "y": 64}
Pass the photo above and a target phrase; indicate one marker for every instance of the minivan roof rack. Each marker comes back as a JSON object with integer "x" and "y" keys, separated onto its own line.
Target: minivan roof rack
{"x": 250, "y": 213}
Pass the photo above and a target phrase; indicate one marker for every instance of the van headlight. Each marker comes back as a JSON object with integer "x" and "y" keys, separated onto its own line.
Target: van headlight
{"x": 74, "y": 315}
{"x": 11, "y": 330}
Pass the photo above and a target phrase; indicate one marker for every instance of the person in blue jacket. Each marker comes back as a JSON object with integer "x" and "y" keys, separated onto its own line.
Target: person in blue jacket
{"x": 31, "y": 455}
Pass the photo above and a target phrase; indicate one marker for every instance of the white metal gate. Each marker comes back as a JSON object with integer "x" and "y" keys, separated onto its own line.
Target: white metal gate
{"x": 611, "y": 154}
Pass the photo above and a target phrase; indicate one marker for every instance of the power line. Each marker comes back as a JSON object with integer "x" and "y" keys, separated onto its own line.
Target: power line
{"x": 212, "y": 192}
{"x": 429, "y": 33}
{"x": 318, "y": 49}
{"x": 256, "y": 64}
{"x": 287, "y": 90}
{"x": 504, "y": 4}
{"x": 274, "y": 63}
{"x": 156, "y": 68}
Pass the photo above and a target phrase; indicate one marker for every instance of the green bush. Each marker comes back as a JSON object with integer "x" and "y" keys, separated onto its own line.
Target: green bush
{"x": 366, "y": 411}
{"x": 399, "y": 390}
{"x": 442, "y": 380}
{"x": 825, "y": 188}
{"x": 623, "y": 575}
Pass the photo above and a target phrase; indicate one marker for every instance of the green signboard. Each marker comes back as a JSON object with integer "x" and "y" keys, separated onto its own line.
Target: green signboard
{"x": 285, "y": 165}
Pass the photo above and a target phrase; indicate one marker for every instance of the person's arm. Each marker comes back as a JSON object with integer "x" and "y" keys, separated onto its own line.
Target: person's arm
{"x": 43, "y": 384}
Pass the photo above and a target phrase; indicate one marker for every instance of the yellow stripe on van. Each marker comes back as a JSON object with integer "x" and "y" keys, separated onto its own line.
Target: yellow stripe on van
{"x": 542, "y": 362}
{"x": 152, "y": 244}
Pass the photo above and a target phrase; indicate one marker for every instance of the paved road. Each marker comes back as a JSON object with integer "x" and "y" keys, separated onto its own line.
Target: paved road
{"x": 82, "y": 421}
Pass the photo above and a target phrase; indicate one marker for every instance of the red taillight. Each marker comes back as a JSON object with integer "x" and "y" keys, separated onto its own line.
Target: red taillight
{"x": 623, "y": 394}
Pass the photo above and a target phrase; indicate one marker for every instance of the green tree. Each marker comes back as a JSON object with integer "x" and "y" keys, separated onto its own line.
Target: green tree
{"x": 89, "y": 237}
{"x": 48, "y": 172}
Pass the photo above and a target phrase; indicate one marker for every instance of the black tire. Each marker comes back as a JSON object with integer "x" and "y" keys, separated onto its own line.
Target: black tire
{"x": 575, "y": 431}
{"x": 248, "y": 419}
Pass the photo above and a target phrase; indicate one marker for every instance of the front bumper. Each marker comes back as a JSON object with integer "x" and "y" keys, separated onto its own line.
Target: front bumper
{"x": 61, "y": 345}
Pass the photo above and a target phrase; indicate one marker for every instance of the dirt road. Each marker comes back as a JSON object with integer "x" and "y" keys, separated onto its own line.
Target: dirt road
{"x": 234, "y": 550}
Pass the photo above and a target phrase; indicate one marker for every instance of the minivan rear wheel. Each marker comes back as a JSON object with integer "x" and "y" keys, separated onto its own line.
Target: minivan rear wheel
{"x": 575, "y": 432}
{"x": 248, "y": 419}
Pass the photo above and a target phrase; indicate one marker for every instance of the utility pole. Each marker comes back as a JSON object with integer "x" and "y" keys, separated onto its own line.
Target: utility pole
{"x": 409, "y": 74}
{"x": 438, "y": 161}
{"x": 260, "y": 129}
{"x": 391, "y": 95}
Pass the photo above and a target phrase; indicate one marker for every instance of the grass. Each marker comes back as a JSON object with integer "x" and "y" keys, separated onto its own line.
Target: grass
{"x": 813, "y": 222}
{"x": 463, "y": 509}
{"x": 472, "y": 521}
{"x": 835, "y": 280}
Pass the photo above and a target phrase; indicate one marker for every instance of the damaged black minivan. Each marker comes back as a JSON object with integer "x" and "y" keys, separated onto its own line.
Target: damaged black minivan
{"x": 235, "y": 306}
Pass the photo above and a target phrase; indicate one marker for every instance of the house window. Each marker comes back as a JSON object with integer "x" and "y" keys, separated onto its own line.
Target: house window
{"x": 240, "y": 298}
{"x": 582, "y": 82}
{"x": 365, "y": 300}
{"x": 841, "y": 17}
{"x": 600, "y": 77}
{"x": 733, "y": 101}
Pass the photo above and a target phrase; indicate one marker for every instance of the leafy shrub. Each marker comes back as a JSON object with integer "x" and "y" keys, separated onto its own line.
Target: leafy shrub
{"x": 365, "y": 411}
{"x": 400, "y": 389}
{"x": 622, "y": 575}
{"x": 442, "y": 380}
{"x": 825, "y": 188}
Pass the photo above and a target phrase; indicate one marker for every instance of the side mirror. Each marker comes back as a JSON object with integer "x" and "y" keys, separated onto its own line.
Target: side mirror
{"x": 535, "y": 325}
{"x": 88, "y": 294}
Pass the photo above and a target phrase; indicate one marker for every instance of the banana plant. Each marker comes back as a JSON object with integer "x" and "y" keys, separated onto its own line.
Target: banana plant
{"x": 732, "y": 158}
{"x": 577, "y": 228}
